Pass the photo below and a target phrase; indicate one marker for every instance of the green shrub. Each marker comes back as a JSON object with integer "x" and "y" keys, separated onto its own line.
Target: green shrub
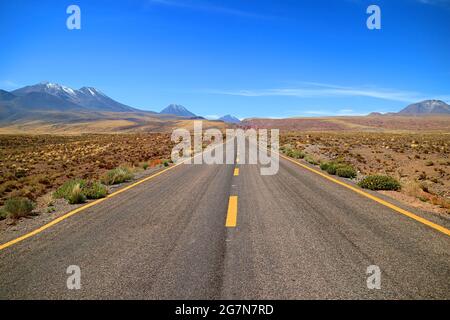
{"x": 311, "y": 160}
{"x": 95, "y": 190}
{"x": 117, "y": 175}
{"x": 324, "y": 166}
{"x": 332, "y": 167}
{"x": 378, "y": 182}
{"x": 166, "y": 163}
{"x": 20, "y": 173}
{"x": 3, "y": 214}
{"x": 296, "y": 154}
{"x": 78, "y": 191}
{"x": 65, "y": 191}
{"x": 145, "y": 166}
{"x": 76, "y": 196}
{"x": 346, "y": 172}
{"x": 18, "y": 207}
{"x": 338, "y": 168}
{"x": 299, "y": 154}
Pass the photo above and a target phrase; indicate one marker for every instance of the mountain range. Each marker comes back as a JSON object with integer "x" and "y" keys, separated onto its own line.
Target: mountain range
{"x": 52, "y": 108}
{"x": 44, "y": 99}
{"x": 52, "y": 97}
{"x": 49, "y": 105}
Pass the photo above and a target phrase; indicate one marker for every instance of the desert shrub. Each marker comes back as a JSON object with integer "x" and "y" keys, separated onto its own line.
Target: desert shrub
{"x": 9, "y": 186}
{"x": 95, "y": 190}
{"x": 443, "y": 203}
{"x": 145, "y": 166}
{"x": 20, "y": 173}
{"x": 76, "y": 195}
{"x": 117, "y": 175}
{"x": 324, "y": 166}
{"x": 3, "y": 214}
{"x": 18, "y": 207}
{"x": 311, "y": 160}
{"x": 332, "y": 167}
{"x": 47, "y": 200}
{"x": 346, "y": 172}
{"x": 378, "y": 182}
{"x": 166, "y": 163}
{"x": 296, "y": 154}
{"x": 65, "y": 191}
{"x": 78, "y": 190}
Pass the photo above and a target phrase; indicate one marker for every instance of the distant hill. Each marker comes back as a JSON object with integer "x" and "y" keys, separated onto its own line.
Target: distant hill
{"x": 197, "y": 118}
{"x": 374, "y": 123}
{"x": 230, "y": 119}
{"x": 6, "y": 96}
{"x": 426, "y": 107}
{"x": 178, "y": 110}
{"x": 86, "y": 98}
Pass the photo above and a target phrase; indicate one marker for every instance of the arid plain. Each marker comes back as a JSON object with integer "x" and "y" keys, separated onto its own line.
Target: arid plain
{"x": 414, "y": 150}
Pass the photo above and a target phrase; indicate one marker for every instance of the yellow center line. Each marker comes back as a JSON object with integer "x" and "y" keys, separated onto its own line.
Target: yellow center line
{"x": 374, "y": 198}
{"x": 236, "y": 172}
{"x": 232, "y": 212}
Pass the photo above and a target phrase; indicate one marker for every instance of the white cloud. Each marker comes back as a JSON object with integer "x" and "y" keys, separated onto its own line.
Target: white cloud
{"x": 317, "y": 90}
{"x": 316, "y": 112}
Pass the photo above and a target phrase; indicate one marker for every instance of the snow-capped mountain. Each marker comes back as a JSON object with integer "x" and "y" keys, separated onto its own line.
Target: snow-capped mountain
{"x": 87, "y": 98}
{"x": 177, "y": 110}
{"x": 48, "y": 87}
{"x": 230, "y": 119}
{"x": 426, "y": 107}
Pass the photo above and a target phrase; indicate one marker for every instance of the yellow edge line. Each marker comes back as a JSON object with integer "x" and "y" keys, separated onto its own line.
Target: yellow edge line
{"x": 232, "y": 212}
{"x": 236, "y": 172}
{"x": 91, "y": 204}
{"x": 368, "y": 195}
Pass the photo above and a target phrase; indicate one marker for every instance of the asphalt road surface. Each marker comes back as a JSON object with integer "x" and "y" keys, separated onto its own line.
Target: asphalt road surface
{"x": 297, "y": 236}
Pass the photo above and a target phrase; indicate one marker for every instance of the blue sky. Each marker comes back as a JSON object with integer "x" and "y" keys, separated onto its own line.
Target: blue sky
{"x": 248, "y": 58}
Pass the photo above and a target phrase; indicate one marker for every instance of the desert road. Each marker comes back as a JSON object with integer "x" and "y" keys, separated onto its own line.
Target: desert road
{"x": 296, "y": 235}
